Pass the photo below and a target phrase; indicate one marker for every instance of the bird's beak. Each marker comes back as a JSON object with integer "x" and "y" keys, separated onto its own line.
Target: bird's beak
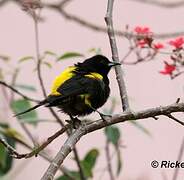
{"x": 113, "y": 64}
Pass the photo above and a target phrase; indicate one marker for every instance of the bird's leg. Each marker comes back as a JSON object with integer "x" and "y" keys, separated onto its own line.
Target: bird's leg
{"x": 101, "y": 114}
{"x": 74, "y": 121}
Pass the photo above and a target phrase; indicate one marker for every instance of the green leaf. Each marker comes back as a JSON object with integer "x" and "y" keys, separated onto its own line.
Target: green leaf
{"x": 69, "y": 55}
{"x": 25, "y": 87}
{"x": 89, "y": 162}
{"x": 26, "y": 58}
{"x": 48, "y": 64}
{"x": 87, "y": 165}
{"x": 10, "y": 132}
{"x": 141, "y": 127}
{"x": 2, "y": 157}
{"x": 113, "y": 134}
{"x": 119, "y": 163}
{"x": 50, "y": 53}
{"x": 74, "y": 174}
{"x": 5, "y": 159}
{"x": 22, "y": 105}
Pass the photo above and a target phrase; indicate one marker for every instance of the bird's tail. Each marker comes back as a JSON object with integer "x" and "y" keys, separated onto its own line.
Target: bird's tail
{"x": 32, "y": 108}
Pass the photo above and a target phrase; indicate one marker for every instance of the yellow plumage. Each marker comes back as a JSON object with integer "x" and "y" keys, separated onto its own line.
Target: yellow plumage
{"x": 94, "y": 75}
{"x": 67, "y": 74}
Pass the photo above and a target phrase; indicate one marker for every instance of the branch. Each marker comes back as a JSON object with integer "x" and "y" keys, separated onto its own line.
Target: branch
{"x": 114, "y": 50}
{"x": 26, "y": 130}
{"x": 161, "y": 3}
{"x": 63, "y": 152}
{"x": 59, "y": 7}
{"x": 175, "y": 119}
{"x": 109, "y": 166}
{"x": 103, "y": 29}
{"x": 85, "y": 129}
{"x": 39, "y": 60}
{"x": 10, "y": 149}
{"x": 37, "y": 150}
{"x": 42, "y": 154}
{"x": 37, "y": 45}
{"x": 18, "y": 92}
{"x": 82, "y": 176}
{"x": 35, "y": 17}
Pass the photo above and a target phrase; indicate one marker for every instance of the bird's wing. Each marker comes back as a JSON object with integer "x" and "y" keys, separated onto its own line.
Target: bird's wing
{"x": 76, "y": 85}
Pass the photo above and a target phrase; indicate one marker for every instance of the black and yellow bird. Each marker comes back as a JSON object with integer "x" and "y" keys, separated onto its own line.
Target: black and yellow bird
{"x": 80, "y": 89}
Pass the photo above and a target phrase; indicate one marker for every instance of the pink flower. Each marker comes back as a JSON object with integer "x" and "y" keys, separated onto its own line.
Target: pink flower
{"x": 142, "y": 43}
{"x": 168, "y": 69}
{"x": 158, "y": 46}
{"x": 177, "y": 43}
{"x": 142, "y": 30}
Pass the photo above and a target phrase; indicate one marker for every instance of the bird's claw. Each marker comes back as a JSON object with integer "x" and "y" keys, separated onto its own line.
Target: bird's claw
{"x": 74, "y": 122}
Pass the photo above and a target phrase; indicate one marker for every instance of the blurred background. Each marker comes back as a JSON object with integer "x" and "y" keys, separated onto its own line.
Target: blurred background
{"x": 139, "y": 144}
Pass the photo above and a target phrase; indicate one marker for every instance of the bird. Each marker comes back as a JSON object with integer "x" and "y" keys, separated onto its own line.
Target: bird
{"x": 80, "y": 89}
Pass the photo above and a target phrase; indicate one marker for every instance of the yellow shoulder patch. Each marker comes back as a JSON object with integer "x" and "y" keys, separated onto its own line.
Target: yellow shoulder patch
{"x": 59, "y": 80}
{"x": 94, "y": 75}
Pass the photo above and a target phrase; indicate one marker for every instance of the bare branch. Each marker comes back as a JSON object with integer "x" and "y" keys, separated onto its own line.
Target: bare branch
{"x": 60, "y": 8}
{"x": 37, "y": 45}
{"x": 39, "y": 62}
{"x": 175, "y": 119}
{"x": 27, "y": 132}
{"x": 109, "y": 166}
{"x": 103, "y": 29}
{"x": 114, "y": 50}
{"x": 85, "y": 129}
{"x": 43, "y": 154}
{"x": 18, "y": 92}
{"x": 10, "y": 149}
{"x": 160, "y": 3}
{"x": 82, "y": 176}
{"x": 37, "y": 150}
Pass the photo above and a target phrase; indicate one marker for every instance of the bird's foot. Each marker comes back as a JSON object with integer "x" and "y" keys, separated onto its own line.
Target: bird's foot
{"x": 74, "y": 122}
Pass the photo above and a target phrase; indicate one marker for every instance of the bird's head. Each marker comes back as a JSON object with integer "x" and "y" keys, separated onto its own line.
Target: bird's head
{"x": 98, "y": 63}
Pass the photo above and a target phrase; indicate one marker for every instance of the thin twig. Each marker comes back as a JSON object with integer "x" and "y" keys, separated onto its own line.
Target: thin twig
{"x": 10, "y": 149}
{"x": 114, "y": 50}
{"x": 39, "y": 59}
{"x": 43, "y": 154}
{"x": 18, "y": 92}
{"x": 60, "y": 8}
{"x": 175, "y": 119}
{"x": 39, "y": 62}
{"x": 180, "y": 154}
{"x": 109, "y": 166}
{"x": 37, "y": 150}
{"x": 126, "y": 55}
{"x": 82, "y": 176}
{"x": 161, "y": 3}
{"x": 98, "y": 28}
{"x": 14, "y": 78}
{"x": 27, "y": 132}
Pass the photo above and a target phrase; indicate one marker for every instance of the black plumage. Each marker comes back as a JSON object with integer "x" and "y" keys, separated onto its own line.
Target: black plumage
{"x": 83, "y": 89}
